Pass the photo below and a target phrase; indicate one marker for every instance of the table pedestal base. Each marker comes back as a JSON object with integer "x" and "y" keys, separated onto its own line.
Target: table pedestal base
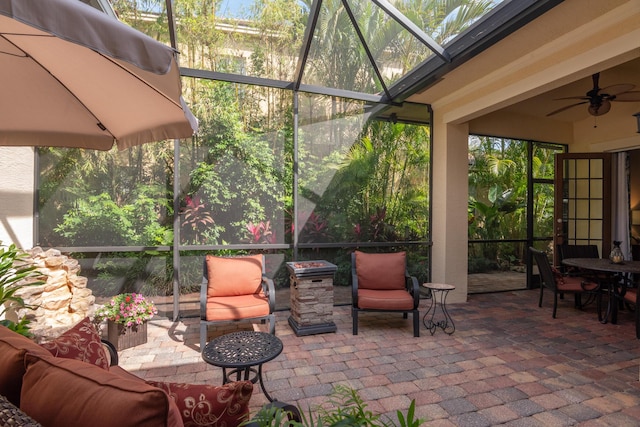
{"x": 439, "y": 292}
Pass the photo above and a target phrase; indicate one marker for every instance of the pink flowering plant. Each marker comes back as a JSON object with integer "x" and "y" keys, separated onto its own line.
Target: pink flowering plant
{"x": 128, "y": 309}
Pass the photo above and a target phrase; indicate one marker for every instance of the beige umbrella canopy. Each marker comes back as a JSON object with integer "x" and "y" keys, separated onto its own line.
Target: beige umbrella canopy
{"x": 72, "y": 76}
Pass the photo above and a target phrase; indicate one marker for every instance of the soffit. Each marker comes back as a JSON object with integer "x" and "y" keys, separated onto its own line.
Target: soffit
{"x": 526, "y": 63}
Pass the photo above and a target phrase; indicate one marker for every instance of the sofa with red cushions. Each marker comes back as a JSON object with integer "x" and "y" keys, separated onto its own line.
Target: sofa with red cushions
{"x": 69, "y": 381}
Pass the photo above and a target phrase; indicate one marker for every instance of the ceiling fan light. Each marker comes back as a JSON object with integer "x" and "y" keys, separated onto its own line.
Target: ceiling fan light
{"x": 600, "y": 109}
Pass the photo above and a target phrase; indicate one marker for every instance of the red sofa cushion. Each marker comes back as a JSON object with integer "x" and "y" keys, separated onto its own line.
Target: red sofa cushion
{"x": 13, "y": 347}
{"x": 66, "y": 392}
{"x": 82, "y": 342}
{"x": 209, "y": 406}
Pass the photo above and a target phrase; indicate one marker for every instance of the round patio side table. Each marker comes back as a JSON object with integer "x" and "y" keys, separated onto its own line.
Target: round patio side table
{"x": 439, "y": 292}
{"x": 240, "y": 352}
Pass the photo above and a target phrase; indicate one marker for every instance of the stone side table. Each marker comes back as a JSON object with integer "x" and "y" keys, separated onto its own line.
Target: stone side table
{"x": 311, "y": 286}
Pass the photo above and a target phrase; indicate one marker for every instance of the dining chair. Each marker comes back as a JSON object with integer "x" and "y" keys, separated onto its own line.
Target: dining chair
{"x": 381, "y": 282}
{"x": 558, "y": 283}
{"x": 584, "y": 251}
{"x": 234, "y": 289}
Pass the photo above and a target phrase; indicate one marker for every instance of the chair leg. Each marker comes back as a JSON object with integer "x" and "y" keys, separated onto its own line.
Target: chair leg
{"x": 354, "y": 315}
{"x": 272, "y": 324}
{"x": 416, "y": 323}
{"x": 637, "y": 316}
{"x": 541, "y": 290}
{"x": 555, "y": 304}
{"x": 203, "y": 336}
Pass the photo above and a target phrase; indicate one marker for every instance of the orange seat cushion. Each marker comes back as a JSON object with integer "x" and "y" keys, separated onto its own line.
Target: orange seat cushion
{"x": 234, "y": 276}
{"x": 237, "y": 307}
{"x": 575, "y": 284}
{"x": 631, "y": 296}
{"x": 396, "y": 299}
{"x": 381, "y": 271}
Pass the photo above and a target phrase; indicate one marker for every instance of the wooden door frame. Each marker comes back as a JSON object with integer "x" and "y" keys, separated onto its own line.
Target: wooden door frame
{"x": 606, "y": 198}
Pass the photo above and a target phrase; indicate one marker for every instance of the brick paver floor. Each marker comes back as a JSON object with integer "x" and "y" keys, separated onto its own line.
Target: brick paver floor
{"x": 508, "y": 363}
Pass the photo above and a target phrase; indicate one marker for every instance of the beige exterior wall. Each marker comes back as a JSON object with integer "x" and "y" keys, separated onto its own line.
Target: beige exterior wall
{"x": 548, "y": 53}
{"x": 16, "y": 196}
{"x": 450, "y": 199}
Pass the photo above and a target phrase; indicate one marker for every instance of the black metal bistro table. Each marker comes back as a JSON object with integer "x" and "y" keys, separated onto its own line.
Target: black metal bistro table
{"x": 446, "y": 324}
{"x": 240, "y": 352}
{"x": 616, "y": 270}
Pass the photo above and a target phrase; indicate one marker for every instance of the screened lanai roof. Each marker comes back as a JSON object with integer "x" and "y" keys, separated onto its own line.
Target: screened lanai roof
{"x": 376, "y": 51}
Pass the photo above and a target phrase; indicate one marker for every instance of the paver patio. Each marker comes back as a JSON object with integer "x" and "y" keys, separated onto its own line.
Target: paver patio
{"x": 508, "y": 363}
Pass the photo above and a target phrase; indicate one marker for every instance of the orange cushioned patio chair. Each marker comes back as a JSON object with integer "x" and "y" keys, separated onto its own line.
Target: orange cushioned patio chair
{"x": 381, "y": 282}
{"x": 233, "y": 289}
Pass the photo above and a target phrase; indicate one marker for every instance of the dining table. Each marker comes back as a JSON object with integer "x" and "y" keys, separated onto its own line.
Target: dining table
{"x": 616, "y": 277}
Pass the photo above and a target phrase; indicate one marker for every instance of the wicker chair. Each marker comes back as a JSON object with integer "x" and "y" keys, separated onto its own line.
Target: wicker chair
{"x": 12, "y": 416}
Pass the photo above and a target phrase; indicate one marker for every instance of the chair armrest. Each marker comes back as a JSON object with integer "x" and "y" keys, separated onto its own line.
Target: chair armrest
{"x": 203, "y": 299}
{"x": 413, "y": 288}
{"x": 113, "y": 353}
{"x": 270, "y": 292}
{"x": 354, "y": 281}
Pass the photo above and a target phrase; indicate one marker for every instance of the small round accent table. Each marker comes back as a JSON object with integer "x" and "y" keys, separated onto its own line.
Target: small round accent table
{"x": 446, "y": 324}
{"x": 240, "y": 351}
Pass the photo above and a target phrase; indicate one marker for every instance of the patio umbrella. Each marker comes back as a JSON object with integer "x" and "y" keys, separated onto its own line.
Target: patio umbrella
{"x": 73, "y": 76}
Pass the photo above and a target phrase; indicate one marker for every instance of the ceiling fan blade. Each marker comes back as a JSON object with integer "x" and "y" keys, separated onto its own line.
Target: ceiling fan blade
{"x": 628, "y": 96}
{"x": 586, "y": 98}
{"x": 559, "y": 110}
{"x": 617, "y": 89}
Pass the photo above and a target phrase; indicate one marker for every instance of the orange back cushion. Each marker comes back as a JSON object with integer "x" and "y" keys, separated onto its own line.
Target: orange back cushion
{"x": 381, "y": 271}
{"x": 234, "y": 276}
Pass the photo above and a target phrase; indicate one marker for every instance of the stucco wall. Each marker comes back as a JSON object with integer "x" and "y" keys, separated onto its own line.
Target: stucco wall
{"x": 16, "y": 196}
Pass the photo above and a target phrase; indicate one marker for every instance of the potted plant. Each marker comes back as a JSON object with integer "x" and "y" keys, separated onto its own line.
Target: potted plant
{"x": 126, "y": 316}
{"x": 15, "y": 273}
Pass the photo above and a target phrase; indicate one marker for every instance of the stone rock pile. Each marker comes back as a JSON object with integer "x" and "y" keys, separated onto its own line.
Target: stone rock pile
{"x": 61, "y": 301}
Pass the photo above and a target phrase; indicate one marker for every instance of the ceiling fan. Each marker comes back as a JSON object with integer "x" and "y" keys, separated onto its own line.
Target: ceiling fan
{"x": 599, "y": 99}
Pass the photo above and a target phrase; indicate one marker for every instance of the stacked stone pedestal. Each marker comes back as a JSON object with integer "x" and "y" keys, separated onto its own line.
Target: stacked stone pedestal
{"x": 311, "y": 302}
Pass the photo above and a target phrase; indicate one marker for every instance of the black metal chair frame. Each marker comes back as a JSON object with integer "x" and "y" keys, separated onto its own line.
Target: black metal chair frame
{"x": 585, "y": 251}
{"x": 548, "y": 280}
{"x": 268, "y": 289}
{"x": 411, "y": 285}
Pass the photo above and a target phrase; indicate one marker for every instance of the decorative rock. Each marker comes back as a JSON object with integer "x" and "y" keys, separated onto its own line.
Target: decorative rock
{"x": 61, "y": 302}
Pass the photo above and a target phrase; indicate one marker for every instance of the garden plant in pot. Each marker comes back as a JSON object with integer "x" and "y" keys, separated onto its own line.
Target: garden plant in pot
{"x": 126, "y": 315}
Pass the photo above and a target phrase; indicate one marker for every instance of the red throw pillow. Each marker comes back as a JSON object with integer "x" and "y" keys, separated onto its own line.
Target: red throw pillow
{"x": 205, "y": 405}
{"x": 82, "y": 342}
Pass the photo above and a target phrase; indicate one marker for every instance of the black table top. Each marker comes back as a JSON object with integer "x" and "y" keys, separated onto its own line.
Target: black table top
{"x": 603, "y": 264}
{"x": 242, "y": 349}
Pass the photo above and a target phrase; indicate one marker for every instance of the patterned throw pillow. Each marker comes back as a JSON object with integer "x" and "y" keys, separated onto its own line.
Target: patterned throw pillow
{"x": 205, "y": 405}
{"x": 557, "y": 275}
{"x": 82, "y": 342}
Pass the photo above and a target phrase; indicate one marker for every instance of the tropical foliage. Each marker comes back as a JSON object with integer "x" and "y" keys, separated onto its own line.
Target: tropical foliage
{"x": 498, "y": 183}
{"x": 358, "y": 179}
{"x": 345, "y": 407}
{"x": 16, "y": 272}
